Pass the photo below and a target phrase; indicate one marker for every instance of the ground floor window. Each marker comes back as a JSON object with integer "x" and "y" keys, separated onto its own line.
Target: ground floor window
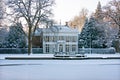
{"x": 60, "y": 48}
{"x": 73, "y": 47}
{"x": 67, "y": 48}
{"x": 47, "y": 48}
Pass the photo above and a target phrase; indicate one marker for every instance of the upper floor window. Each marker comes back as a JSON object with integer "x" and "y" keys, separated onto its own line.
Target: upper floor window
{"x": 67, "y": 38}
{"x": 46, "y": 38}
{"x": 74, "y": 38}
{"x": 61, "y": 37}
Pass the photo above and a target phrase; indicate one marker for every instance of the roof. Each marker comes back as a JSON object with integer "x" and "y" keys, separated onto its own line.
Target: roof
{"x": 55, "y": 29}
{"x": 61, "y": 28}
{"x": 38, "y": 31}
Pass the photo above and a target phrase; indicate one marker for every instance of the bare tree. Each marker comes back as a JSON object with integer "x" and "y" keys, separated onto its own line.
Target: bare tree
{"x": 2, "y": 11}
{"x": 112, "y": 15}
{"x": 112, "y": 12}
{"x": 79, "y": 20}
{"x": 33, "y": 11}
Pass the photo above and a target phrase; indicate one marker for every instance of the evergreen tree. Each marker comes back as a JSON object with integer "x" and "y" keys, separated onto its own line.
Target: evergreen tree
{"x": 90, "y": 35}
{"x": 92, "y": 32}
{"x": 98, "y": 13}
{"x": 83, "y": 35}
{"x": 16, "y": 37}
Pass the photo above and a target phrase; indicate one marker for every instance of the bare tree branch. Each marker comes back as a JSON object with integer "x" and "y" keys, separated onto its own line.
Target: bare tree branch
{"x": 33, "y": 11}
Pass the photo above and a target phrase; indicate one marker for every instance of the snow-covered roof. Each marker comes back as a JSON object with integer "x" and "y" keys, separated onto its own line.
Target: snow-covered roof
{"x": 61, "y": 28}
{"x": 56, "y": 29}
{"x": 38, "y": 31}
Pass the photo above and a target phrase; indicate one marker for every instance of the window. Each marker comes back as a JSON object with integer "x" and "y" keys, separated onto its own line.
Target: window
{"x": 73, "y": 47}
{"x": 74, "y": 39}
{"x": 67, "y": 39}
{"x": 47, "y": 48}
{"x": 61, "y": 37}
{"x": 67, "y": 48}
{"x": 60, "y": 48}
{"x": 46, "y": 38}
{"x": 51, "y": 38}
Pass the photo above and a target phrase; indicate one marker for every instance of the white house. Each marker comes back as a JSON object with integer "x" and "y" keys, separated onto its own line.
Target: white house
{"x": 60, "y": 38}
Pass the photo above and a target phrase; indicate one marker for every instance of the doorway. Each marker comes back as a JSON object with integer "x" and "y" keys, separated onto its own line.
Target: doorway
{"x": 60, "y": 48}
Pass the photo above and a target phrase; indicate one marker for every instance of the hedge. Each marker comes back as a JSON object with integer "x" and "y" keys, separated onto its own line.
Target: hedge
{"x": 97, "y": 50}
{"x": 19, "y": 50}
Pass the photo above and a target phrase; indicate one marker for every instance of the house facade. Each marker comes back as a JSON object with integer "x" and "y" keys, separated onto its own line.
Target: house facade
{"x": 60, "y": 38}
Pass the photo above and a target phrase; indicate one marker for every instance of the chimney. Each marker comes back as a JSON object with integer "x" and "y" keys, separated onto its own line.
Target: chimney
{"x": 66, "y": 24}
{"x": 47, "y": 24}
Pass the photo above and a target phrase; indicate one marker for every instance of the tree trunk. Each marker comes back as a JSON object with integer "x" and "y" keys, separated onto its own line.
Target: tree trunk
{"x": 30, "y": 41}
{"x": 119, "y": 33}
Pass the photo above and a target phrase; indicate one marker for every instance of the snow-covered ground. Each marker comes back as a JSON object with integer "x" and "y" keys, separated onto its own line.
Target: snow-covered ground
{"x": 60, "y": 69}
{"x": 2, "y": 56}
{"x": 103, "y": 55}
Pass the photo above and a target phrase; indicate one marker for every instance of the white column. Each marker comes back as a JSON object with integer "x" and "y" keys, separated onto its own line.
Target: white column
{"x": 63, "y": 47}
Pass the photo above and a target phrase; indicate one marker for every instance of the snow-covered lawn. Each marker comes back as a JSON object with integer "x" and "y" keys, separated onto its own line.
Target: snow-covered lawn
{"x": 60, "y": 69}
{"x": 2, "y": 56}
{"x": 103, "y": 55}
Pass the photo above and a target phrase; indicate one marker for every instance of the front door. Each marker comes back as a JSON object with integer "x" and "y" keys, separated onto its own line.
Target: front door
{"x": 60, "y": 48}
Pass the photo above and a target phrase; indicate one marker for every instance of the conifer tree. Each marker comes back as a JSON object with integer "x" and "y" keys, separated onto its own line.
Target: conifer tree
{"x": 98, "y": 13}
{"x": 90, "y": 35}
{"x": 16, "y": 37}
{"x": 83, "y": 35}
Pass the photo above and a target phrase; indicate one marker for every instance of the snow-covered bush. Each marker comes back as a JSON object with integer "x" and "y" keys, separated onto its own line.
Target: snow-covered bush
{"x": 16, "y": 37}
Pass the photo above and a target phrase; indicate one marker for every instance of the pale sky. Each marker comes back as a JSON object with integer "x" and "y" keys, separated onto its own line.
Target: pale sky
{"x": 65, "y": 10}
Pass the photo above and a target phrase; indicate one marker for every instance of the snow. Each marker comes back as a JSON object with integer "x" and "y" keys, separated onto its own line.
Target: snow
{"x": 60, "y": 29}
{"x": 60, "y": 69}
{"x": 2, "y": 56}
{"x": 103, "y": 55}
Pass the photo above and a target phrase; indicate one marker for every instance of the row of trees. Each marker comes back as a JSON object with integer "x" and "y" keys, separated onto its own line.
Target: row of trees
{"x": 102, "y": 29}
{"x": 33, "y": 13}
{"x": 93, "y": 32}
{"x": 98, "y": 31}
